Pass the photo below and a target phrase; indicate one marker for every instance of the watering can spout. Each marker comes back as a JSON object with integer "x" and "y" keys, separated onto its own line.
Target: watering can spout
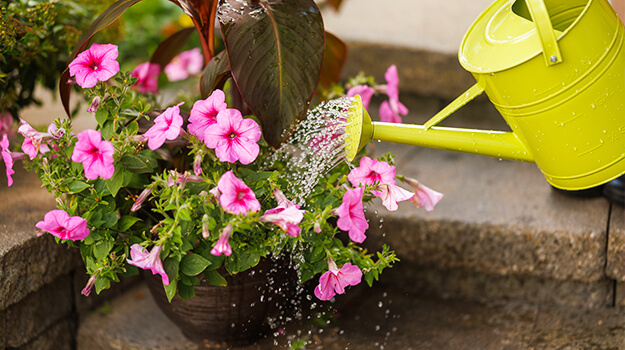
{"x": 360, "y": 129}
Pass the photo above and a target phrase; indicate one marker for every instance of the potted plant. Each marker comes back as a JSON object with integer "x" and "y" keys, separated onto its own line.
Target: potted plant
{"x": 222, "y": 190}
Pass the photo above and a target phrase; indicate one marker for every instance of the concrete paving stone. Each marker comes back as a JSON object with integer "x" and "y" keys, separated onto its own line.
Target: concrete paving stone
{"x": 28, "y": 262}
{"x": 465, "y": 284}
{"x": 615, "y": 267}
{"x": 59, "y": 337}
{"x": 498, "y": 217}
{"x": 380, "y": 318}
{"x": 421, "y": 72}
{"x": 37, "y": 312}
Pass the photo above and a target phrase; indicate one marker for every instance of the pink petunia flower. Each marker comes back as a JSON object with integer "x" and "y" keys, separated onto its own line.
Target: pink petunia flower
{"x": 33, "y": 139}
{"x": 286, "y": 215}
{"x": 222, "y": 246}
{"x": 371, "y": 171}
{"x": 236, "y": 197}
{"x": 352, "y": 215}
{"x": 204, "y": 113}
{"x": 6, "y": 124}
{"x": 392, "y": 110}
{"x": 365, "y": 92}
{"x": 166, "y": 126}
{"x": 95, "y": 104}
{"x": 334, "y": 281}
{"x": 287, "y": 219}
{"x": 143, "y": 259}
{"x": 147, "y": 75}
{"x": 391, "y": 194}
{"x": 98, "y": 63}
{"x": 233, "y": 138}
{"x": 63, "y": 226}
{"x": 95, "y": 154}
{"x": 7, "y": 157}
{"x": 87, "y": 290}
{"x": 142, "y": 197}
{"x": 187, "y": 63}
{"x": 424, "y": 196}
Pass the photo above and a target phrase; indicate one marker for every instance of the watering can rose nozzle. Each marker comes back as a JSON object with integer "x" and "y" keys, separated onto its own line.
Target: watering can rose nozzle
{"x": 358, "y": 128}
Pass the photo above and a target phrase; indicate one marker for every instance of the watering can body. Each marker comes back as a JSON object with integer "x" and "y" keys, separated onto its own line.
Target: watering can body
{"x": 555, "y": 70}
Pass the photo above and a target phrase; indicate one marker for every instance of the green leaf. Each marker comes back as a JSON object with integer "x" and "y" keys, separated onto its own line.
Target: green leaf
{"x": 193, "y": 264}
{"x": 102, "y": 249}
{"x": 101, "y": 116}
{"x": 184, "y": 214}
{"x": 213, "y": 277}
{"x": 78, "y": 186}
{"x": 171, "y": 268}
{"x": 242, "y": 261}
{"x": 138, "y": 164}
{"x": 215, "y": 74}
{"x": 101, "y": 284}
{"x": 116, "y": 182}
{"x": 107, "y": 130}
{"x": 251, "y": 176}
{"x": 186, "y": 292}
{"x": 276, "y": 52}
{"x": 126, "y": 222}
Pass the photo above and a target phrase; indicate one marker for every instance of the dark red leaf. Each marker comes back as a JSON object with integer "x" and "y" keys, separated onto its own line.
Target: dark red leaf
{"x": 215, "y": 74}
{"x": 275, "y": 48}
{"x": 334, "y": 59}
{"x": 171, "y": 46}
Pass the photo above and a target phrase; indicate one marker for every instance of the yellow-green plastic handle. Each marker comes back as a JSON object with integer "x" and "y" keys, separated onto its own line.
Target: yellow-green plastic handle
{"x": 540, "y": 16}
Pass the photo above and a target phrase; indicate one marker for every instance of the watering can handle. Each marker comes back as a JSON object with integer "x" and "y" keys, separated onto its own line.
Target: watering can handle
{"x": 540, "y": 16}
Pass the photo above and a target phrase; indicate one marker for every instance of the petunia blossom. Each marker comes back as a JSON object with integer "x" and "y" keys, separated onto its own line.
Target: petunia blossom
{"x": 392, "y": 110}
{"x": 141, "y": 258}
{"x": 33, "y": 139}
{"x": 287, "y": 219}
{"x": 391, "y": 194}
{"x": 187, "y": 63}
{"x": 365, "y": 92}
{"x": 371, "y": 171}
{"x": 352, "y": 216}
{"x": 233, "y": 138}
{"x": 6, "y": 124}
{"x": 166, "y": 126}
{"x": 236, "y": 197}
{"x": 87, "y": 290}
{"x": 98, "y": 63}
{"x": 334, "y": 281}
{"x": 95, "y": 154}
{"x": 7, "y": 158}
{"x": 147, "y": 77}
{"x": 204, "y": 113}
{"x": 223, "y": 246}
{"x": 61, "y": 225}
{"x": 95, "y": 104}
{"x": 424, "y": 196}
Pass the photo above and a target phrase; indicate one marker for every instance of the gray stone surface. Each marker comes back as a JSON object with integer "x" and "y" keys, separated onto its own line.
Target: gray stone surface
{"x": 471, "y": 285}
{"x": 27, "y": 262}
{"x": 59, "y": 337}
{"x": 39, "y": 311}
{"x": 421, "y": 72}
{"x": 615, "y": 267}
{"x": 381, "y": 318}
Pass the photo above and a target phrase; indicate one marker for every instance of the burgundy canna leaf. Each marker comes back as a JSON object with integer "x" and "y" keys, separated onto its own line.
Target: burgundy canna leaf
{"x": 275, "y": 48}
{"x": 334, "y": 59}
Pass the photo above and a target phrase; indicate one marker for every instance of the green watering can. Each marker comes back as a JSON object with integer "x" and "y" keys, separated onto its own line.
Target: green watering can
{"x": 555, "y": 70}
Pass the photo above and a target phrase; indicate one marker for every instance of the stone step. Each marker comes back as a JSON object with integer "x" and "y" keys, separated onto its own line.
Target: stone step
{"x": 501, "y": 230}
{"x": 380, "y": 318}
